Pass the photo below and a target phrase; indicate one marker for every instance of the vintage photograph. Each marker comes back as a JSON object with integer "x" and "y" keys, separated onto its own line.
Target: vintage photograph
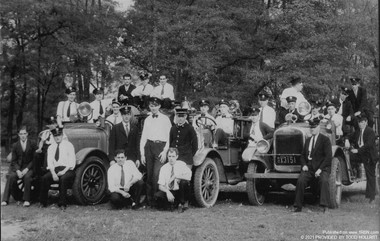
{"x": 189, "y": 120}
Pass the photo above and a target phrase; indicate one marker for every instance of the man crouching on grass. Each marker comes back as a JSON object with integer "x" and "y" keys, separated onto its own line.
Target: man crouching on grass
{"x": 123, "y": 179}
{"x": 174, "y": 182}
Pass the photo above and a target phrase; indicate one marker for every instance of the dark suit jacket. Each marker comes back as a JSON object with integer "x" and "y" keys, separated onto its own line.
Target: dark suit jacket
{"x": 321, "y": 155}
{"x": 119, "y": 140}
{"x": 185, "y": 140}
{"x": 368, "y": 150}
{"x": 21, "y": 160}
{"x": 123, "y": 91}
{"x": 284, "y": 112}
{"x": 359, "y": 102}
{"x": 266, "y": 131}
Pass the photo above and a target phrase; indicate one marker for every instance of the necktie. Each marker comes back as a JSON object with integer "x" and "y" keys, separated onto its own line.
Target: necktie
{"x": 261, "y": 114}
{"x": 144, "y": 88}
{"x": 253, "y": 130}
{"x": 56, "y": 156}
{"x": 162, "y": 91}
{"x": 126, "y": 127}
{"x": 171, "y": 184}
{"x": 114, "y": 120}
{"x": 100, "y": 108}
{"x": 312, "y": 143}
{"x": 361, "y": 139}
{"x": 69, "y": 110}
{"x": 154, "y": 115}
{"x": 23, "y": 145}
{"x": 122, "y": 181}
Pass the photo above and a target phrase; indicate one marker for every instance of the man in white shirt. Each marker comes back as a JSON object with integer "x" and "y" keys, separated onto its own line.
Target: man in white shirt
{"x": 294, "y": 90}
{"x": 142, "y": 92}
{"x": 205, "y": 123}
{"x": 123, "y": 179}
{"x": 267, "y": 113}
{"x": 99, "y": 105}
{"x": 115, "y": 118}
{"x": 174, "y": 182}
{"x": 224, "y": 125}
{"x": 154, "y": 145}
{"x": 335, "y": 118}
{"x": 67, "y": 110}
{"x": 61, "y": 162}
{"x": 164, "y": 91}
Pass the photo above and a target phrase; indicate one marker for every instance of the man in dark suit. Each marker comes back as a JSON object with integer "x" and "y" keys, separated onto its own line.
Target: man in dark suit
{"x": 20, "y": 168}
{"x": 124, "y": 95}
{"x": 291, "y": 110}
{"x": 125, "y": 136}
{"x": 345, "y": 110}
{"x": 364, "y": 151}
{"x": 358, "y": 98}
{"x": 316, "y": 166}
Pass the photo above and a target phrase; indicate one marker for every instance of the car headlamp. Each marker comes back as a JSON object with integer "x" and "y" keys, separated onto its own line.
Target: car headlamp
{"x": 262, "y": 146}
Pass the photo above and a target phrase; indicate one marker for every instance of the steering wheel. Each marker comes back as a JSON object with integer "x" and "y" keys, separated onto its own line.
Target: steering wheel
{"x": 197, "y": 122}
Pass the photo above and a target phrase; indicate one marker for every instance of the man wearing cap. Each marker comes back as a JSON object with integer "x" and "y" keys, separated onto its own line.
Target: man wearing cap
{"x": 184, "y": 138}
{"x": 224, "y": 125}
{"x": 346, "y": 111}
{"x": 124, "y": 95}
{"x": 99, "y": 105}
{"x": 294, "y": 90}
{"x": 20, "y": 168}
{"x": 164, "y": 91}
{"x": 67, "y": 109}
{"x": 205, "y": 122}
{"x": 316, "y": 166}
{"x": 267, "y": 113}
{"x": 125, "y": 182}
{"x": 255, "y": 132}
{"x": 154, "y": 145}
{"x": 125, "y": 136}
{"x": 290, "y": 110}
{"x": 316, "y": 107}
{"x": 61, "y": 162}
{"x": 141, "y": 93}
{"x": 363, "y": 150}
{"x": 358, "y": 98}
{"x": 115, "y": 118}
{"x": 334, "y": 117}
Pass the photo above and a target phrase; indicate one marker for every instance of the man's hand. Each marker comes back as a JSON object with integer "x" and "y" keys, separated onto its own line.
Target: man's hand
{"x": 127, "y": 187}
{"x": 61, "y": 173}
{"x": 357, "y": 113}
{"x": 19, "y": 174}
{"x": 354, "y": 151}
{"x": 112, "y": 162}
{"x": 348, "y": 118}
{"x": 169, "y": 196}
{"x": 24, "y": 171}
{"x": 162, "y": 156}
{"x": 137, "y": 163}
{"x": 55, "y": 177}
{"x": 318, "y": 173}
{"x": 143, "y": 161}
{"x": 347, "y": 144}
{"x": 305, "y": 168}
{"x": 39, "y": 150}
{"x": 126, "y": 194}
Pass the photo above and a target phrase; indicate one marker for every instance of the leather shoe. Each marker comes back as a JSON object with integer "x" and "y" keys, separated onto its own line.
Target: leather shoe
{"x": 297, "y": 210}
{"x": 4, "y": 203}
{"x": 371, "y": 200}
{"x": 180, "y": 208}
{"x": 26, "y": 204}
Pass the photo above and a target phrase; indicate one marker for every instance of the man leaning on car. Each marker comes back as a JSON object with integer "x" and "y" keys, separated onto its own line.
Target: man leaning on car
{"x": 316, "y": 166}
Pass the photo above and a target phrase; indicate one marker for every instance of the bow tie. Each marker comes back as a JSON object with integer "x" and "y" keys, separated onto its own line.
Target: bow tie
{"x": 154, "y": 115}
{"x": 178, "y": 125}
{"x": 224, "y": 116}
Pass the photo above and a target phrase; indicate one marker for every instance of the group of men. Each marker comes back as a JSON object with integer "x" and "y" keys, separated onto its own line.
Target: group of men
{"x": 168, "y": 182}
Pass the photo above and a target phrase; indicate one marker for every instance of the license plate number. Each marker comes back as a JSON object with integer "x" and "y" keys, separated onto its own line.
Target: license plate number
{"x": 287, "y": 160}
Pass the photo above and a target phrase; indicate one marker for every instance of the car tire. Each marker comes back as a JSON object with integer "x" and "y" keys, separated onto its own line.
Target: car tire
{"x": 206, "y": 183}
{"x": 335, "y": 182}
{"x": 256, "y": 197}
{"x": 90, "y": 183}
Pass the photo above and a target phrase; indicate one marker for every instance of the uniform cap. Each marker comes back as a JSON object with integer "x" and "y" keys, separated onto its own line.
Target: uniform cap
{"x": 224, "y": 102}
{"x": 295, "y": 80}
{"x": 126, "y": 109}
{"x": 204, "y": 102}
{"x": 70, "y": 90}
{"x": 291, "y": 99}
{"x": 97, "y": 91}
{"x": 57, "y": 131}
{"x": 263, "y": 96}
{"x": 154, "y": 101}
{"x": 314, "y": 122}
{"x": 354, "y": 80}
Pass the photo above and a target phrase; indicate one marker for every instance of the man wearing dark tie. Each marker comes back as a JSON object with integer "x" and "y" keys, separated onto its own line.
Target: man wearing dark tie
{"x": 20, "y": 168}
{"x": 346, "y": 111}
{"x": 363, "y": 143}
{"x": 125, "y": 136}
{"x": 124, "y": 182}
{"x": 315, "y": 166}
{"x": 67, "y": 110}
{"x": 124, "y": 95}
{"x": 61, "y": 162}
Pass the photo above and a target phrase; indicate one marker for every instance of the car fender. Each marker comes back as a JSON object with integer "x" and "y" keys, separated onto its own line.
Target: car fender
{"x": 201, "y": 155}
{"x": 338, "y": 151}
{"x": 91, "y": 151}
{"x": 262, "y": 159}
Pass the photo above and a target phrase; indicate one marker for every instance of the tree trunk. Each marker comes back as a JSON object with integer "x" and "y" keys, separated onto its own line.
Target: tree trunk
{"x": 11, "y": 109}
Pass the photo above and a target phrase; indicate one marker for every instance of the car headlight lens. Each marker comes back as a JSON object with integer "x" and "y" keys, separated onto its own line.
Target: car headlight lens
{"x": 262, "y": 146}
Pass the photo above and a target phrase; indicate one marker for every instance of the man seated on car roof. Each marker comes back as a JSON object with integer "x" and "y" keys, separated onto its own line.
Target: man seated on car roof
{"x": 255, "y": 132}
{"x": 224, "y": 125}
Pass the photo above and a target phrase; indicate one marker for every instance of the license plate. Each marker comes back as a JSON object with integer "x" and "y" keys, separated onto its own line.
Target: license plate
{"x": 287, "y": 160}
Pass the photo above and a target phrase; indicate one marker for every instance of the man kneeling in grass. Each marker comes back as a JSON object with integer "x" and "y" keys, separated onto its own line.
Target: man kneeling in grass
{"x": 174, "y": 182}
{"x": 123, "y": 179}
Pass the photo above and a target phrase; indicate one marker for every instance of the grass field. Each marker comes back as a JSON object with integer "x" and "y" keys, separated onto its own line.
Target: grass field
{"x": 230, "y": 219}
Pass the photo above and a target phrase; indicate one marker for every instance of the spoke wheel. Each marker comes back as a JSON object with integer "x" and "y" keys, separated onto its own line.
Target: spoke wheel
{"x": 206, "y": 183}
{"x": 90, "y": 183}
{"x": 255, "y": 187}
{"x": 335, "y": 183}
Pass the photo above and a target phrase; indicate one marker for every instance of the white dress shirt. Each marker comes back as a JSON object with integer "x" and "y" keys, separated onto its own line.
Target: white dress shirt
{"x": 338, "y": 122}
{"x": 291, "y": 92}
{"x": 168, "y": 91}
{"x": 311, "y": 144}
{"x": 181, "y": 172}
{"x": 66, "y": 155}
{"x": 340, "y": 110}
{"x": 269, "y": 115}
{"x": 142, "y": 90}
{"x": 114, "y": 175}
{"x": 155, "y": 129}
{"x": 62, "y": 109}
{"x": 95, "y": 105}
{"x": 225, "y": 123}
{"x": 255, "y": 131}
